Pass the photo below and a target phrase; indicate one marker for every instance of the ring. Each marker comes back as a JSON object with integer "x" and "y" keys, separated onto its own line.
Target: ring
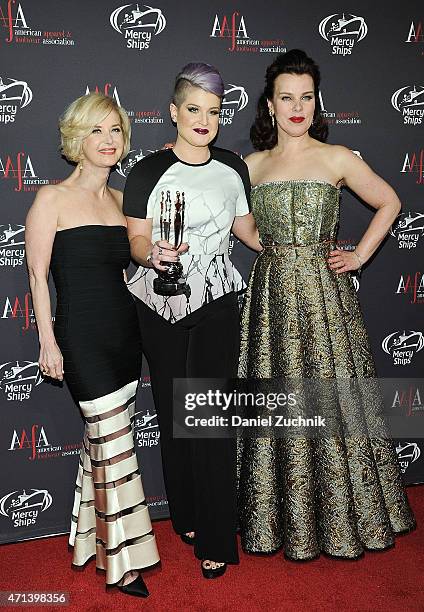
{"x": 160, "y": 251}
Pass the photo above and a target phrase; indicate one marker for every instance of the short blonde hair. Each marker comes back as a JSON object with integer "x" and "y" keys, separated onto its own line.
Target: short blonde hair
{"x": 82, "y": 115}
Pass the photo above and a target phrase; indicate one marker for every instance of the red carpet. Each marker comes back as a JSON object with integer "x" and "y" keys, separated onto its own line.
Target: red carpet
{"x": 390, "y": 580}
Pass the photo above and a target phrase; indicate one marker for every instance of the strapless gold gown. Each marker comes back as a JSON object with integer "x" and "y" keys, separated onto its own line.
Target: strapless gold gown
{"x": 339, "y": 495}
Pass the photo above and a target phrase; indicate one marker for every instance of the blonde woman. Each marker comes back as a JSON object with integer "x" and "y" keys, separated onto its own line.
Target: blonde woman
{"x": 77, "y": 229}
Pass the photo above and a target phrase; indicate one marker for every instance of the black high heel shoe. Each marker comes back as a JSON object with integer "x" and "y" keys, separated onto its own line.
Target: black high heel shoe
{"x": 136, "y": 588}
{"x": 187, "y": 539}
{"x": 209, "y": 572}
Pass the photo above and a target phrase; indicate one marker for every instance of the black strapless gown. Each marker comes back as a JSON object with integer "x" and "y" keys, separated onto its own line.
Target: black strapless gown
{"x": 97, "y": 331}
{"x": 96, "y": 324}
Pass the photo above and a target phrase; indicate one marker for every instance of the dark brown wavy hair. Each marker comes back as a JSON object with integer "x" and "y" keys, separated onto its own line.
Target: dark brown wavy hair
{"x": 262, "y": 133}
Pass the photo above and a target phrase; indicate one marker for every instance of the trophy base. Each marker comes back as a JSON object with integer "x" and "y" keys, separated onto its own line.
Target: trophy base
{"x": 170, "y": 288}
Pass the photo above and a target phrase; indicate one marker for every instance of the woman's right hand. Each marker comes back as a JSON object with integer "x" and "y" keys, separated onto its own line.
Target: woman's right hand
{"x": 164, "y": 251}
{"x": 51, "y": 361}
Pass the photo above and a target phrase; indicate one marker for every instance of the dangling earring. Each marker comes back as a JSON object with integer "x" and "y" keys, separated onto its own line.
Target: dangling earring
{"x": 80, "y": 166}
{"x": 271, "y": 114}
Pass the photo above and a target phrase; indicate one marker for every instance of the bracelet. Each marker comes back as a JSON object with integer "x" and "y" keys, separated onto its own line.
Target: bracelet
{"x": 361, "y": 263}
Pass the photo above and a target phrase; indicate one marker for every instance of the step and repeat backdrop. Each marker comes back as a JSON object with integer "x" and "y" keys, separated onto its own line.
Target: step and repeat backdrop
{"x": 51, "y": 52}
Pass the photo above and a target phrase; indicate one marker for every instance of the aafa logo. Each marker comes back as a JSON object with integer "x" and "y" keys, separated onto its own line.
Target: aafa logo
{"x": 135, "y": 116}
{"x": 412, "y": 284}
{"x": 342, "y": 32}
{"x": 233, "y": 28}
{"x": 137, "y": 26}
{"x": 408, "y": 400}
{"x": 408, "y": 229}
{"x": 108, "y": 90}
{"x": 413, "y": 164}
{"x": 19, "y": 308}
{"x": 35, "y": 441}
{"x": 415, "y": 34}
{"x": 24, "y": 508}
{"x": 17, "y": 379}
{"x": 12, "y": 20}
{"x": 350, "y": 117}
{"x": 407, "y": 453}
{"x": 409, "y": 101}
{"x": 235, "y": 100}
{"x": 402, "y": 346}
{"x": 20, "y": 170}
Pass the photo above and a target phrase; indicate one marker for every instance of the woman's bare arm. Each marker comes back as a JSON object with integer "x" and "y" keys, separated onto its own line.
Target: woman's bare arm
{"x": 41, "y": 227}
{"x": 374, "y": 190}
{"x": 244, "y": 228}
{"x": 140, "y": 237}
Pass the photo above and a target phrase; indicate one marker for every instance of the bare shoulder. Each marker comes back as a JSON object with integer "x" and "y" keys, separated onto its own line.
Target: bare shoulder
{"x": 253, "y": 159}
{"x": 44, "y": 211}
{"x": 340, "y": 158}
{"x": 338, "y": 153}
{"x": 51, "y": 199}
{"x": 254, "y": 162}
{"x": 48, "y": 197}
{"x": 49, "y": 192}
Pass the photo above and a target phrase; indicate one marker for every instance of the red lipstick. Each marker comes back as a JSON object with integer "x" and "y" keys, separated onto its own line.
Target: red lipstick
{"x": 201, "y": 131}
{"x": 297, "y": 119}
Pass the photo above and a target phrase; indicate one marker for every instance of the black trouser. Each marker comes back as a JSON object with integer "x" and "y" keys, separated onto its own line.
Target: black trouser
{"x": 200, "y": 474}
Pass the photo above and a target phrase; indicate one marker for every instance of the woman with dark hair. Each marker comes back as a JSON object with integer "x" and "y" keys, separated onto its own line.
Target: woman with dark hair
{"x": 339, "y": 492}
{"x": 194, "y": 330}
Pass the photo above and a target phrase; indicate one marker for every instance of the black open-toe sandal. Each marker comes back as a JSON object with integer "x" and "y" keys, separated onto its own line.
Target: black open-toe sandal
{"x": 209, "y": 572}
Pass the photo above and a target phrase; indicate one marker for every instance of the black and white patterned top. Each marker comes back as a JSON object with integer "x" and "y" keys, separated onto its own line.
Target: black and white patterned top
{"x": 214, "y": 193}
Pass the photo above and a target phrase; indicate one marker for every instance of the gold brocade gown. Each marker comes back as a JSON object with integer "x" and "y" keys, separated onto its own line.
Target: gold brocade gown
{"x": 339, "y": 495}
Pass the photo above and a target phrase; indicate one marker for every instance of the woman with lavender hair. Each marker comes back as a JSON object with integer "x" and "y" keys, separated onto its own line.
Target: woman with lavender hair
{"x": 194, "y": 332}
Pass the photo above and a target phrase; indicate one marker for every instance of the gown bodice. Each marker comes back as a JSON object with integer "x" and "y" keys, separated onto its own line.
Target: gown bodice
{"x": 96, "y": 325}
{"x": 296, "y": 212}
{"x": 90, "y": 259}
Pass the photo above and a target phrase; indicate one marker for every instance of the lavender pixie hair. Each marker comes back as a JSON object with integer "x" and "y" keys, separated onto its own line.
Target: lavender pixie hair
{"x": 197, "y": 74}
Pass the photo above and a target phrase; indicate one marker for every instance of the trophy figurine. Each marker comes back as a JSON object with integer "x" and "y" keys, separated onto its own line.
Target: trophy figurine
{"x": 170, "y": 281}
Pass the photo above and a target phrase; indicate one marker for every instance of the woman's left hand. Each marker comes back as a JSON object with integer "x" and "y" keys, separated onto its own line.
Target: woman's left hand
{"x": 343, "y": 261}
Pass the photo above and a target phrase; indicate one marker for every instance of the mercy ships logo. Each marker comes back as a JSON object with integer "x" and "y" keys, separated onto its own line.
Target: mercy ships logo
{"x": 14, "y": 95}
{"x": 235, "y": 100}
{"x": 343, "y": 32}
{"x": 136, "y": 25}
{"x": 409, "y": 101}
{"x": 402, "y": 346}
{"x": 23, "y": 508}
{"x": 408, "y": 229}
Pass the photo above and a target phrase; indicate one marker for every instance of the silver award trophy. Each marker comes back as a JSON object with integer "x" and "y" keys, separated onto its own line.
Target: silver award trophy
{"x": 172, "y": 217}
